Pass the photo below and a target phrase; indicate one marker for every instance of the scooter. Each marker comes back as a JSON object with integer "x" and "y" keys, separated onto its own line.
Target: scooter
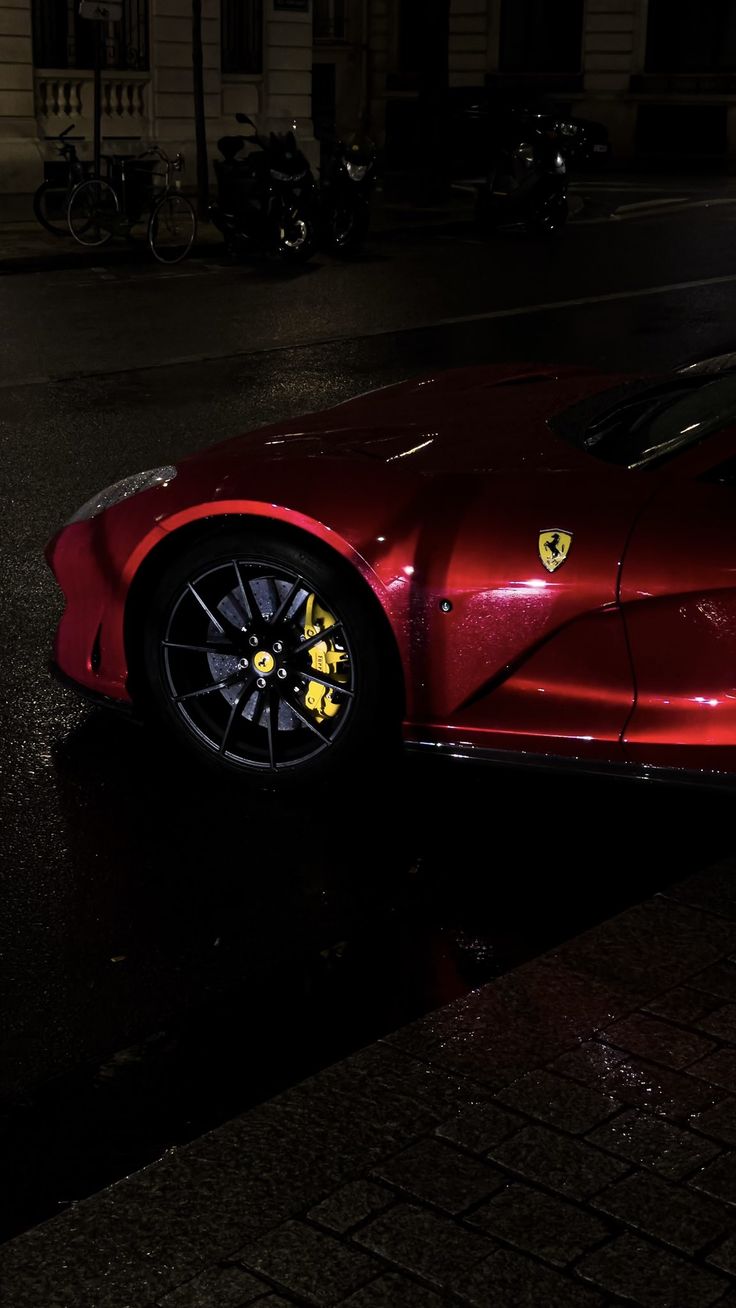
{"x": 527, "y": 181}
{"x": 265, "y": 198}
{"x": 346, "y": 184}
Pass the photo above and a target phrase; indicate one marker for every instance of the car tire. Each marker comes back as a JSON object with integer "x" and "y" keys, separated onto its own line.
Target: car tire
{"x": 260, "y": 726}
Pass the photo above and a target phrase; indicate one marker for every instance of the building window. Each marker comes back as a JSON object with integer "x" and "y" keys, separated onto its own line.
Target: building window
{"x": 412, "y": 23}
{"x": 329, "y": 20}
{"x": 61, "y": 39}
{"x": 685, "y": 38}
{"x": 242, "y": 36}
{"x": 541, "y": 36}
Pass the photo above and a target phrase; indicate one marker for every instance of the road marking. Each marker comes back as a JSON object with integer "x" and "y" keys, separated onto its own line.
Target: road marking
{"x": 547, "y": 306}
{"x": 652, "y": 204}
{"x": 646, "y": 212}
{"x": 711, "y": 203}
{"x": 613, "y": 185}
{"x": 489, "y": 315}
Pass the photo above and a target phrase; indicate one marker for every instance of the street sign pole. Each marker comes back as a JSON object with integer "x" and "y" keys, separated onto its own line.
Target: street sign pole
{"x": 98, "y": 98}
{"x": 99, "y": 12}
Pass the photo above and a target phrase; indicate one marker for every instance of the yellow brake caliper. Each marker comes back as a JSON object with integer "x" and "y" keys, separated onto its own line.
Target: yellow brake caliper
{"x": 325, "y": 658}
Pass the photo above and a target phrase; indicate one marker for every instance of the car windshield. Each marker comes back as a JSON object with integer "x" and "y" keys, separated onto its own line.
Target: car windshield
{"x": 647, "y": 423}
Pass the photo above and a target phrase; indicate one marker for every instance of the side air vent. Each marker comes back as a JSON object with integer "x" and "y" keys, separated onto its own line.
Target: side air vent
{"x": 95, "y": 657}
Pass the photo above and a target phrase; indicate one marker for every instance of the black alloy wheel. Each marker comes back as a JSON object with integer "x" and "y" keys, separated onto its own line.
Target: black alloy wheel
{"x": 264, "y": 658}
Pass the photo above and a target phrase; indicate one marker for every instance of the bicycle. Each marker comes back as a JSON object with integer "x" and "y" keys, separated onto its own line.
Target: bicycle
{"x": 103, "y": 207}
{"x": 51, "y": 200}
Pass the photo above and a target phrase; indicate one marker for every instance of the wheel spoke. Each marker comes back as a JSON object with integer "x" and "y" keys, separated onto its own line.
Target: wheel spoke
{"x": 286, "y": 603}
{"x": 229, "y": 648}
{"x": 313, "y": 726}
{"x": 207, "y": 690}
{"x": 236, "y": 711}
{"x": 273, "y": 712}
{"x": 218, "y": 621}
{"x": 246, "y": 590}
{"x": 327, "y": 634}
{"x": 231, "y": 632}
{"x": 323, "y": 681}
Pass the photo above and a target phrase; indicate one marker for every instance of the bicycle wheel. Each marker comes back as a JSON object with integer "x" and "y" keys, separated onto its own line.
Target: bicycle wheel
{"x": 50, "y": 204}
{"x": 172, "y": 228}
{"x": 93, "y": 212}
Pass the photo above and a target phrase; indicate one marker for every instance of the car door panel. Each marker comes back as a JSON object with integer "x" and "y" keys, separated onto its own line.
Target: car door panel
{"x": 525, "y": 651}
{"x": 679, "y": 602}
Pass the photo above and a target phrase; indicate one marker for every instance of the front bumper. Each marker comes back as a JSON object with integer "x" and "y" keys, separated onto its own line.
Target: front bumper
{"x": 95, "y": 697}
{"x": 94, "y": 562}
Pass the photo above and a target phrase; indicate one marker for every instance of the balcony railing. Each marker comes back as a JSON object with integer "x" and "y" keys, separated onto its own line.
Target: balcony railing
{"x": 67, "y": 95}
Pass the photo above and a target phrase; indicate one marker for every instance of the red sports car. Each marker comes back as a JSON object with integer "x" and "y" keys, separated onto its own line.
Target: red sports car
{"x": 533, "y": 564}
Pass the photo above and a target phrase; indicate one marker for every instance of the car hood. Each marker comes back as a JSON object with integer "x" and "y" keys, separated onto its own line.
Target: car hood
{"x": 469, "y": 420}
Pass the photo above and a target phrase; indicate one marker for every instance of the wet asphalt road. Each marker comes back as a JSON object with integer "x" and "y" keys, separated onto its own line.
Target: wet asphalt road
{"x": 170, "y": 952}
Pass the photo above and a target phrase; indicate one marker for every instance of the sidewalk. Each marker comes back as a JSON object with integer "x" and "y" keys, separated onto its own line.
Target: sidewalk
{"x": 26, "y": 247}
{"x": 561, "y": 1138}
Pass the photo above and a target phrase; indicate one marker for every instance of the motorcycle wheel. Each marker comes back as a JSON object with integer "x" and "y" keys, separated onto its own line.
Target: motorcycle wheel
{"x": 551, "y": 222}
{"x": 296, "y": 240}
{"x": 346, "y": 230}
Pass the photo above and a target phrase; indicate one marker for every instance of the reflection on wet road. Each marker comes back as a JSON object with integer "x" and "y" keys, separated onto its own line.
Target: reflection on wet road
{"x": 205, "y": 950}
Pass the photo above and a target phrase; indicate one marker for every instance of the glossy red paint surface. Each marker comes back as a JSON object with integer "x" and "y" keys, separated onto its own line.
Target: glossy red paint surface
{"x": 438, "y": 490}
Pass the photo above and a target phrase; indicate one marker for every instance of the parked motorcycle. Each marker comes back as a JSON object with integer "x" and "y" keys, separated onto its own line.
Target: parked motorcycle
{"x": 476, "y": 118}
{"x": 527, "y": 184}
{"x": 347, "y": 179}
{"x": 265, "y": 198}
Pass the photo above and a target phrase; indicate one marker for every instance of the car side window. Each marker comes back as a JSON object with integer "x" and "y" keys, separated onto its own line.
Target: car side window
{"x": 724, "y": 474}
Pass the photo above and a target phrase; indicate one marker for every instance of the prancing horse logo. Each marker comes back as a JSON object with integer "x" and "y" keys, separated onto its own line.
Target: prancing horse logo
{"x": 554, "y": 547}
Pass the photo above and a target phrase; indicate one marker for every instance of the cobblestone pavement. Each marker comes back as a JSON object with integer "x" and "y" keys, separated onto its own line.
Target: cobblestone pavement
{"x": 564, "y": 1137}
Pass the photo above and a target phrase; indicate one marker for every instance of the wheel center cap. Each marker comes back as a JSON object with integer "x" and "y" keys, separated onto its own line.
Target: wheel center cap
{"x": 263, "y": 662}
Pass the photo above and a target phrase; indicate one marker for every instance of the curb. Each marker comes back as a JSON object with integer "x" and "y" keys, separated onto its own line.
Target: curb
{"x": 68, "y": 258}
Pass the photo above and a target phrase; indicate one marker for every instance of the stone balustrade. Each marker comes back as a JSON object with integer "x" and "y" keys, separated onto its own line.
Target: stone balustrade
{"x": 67, "y": 96}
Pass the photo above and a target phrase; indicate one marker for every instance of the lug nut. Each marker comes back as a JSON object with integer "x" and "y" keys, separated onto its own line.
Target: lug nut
{"x": 253, "y": 640}
{"x": 261, "y": 683}
{"x": 282, "y": 674}
{"x": 278, "y": 646}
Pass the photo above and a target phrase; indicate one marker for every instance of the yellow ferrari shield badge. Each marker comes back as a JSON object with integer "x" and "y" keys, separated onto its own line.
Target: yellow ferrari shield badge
{"x": 554, "y": 547}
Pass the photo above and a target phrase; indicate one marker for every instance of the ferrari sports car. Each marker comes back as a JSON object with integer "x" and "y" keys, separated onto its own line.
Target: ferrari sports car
{"x": 531, "y": 564}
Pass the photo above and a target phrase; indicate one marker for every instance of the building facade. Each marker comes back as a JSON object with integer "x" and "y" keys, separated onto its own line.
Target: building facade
{"x": 661, "y": 74}
{"x": 257, "y": 58}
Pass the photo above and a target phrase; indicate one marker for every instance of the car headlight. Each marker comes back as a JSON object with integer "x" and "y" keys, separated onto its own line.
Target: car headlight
{"x": 567, "y": 129}
{"x": 123, "y": 490}
{"x": 356, "y": 172}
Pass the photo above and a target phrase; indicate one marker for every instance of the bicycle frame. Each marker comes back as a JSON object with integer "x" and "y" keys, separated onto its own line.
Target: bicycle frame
{"x": 118, "y": 176}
